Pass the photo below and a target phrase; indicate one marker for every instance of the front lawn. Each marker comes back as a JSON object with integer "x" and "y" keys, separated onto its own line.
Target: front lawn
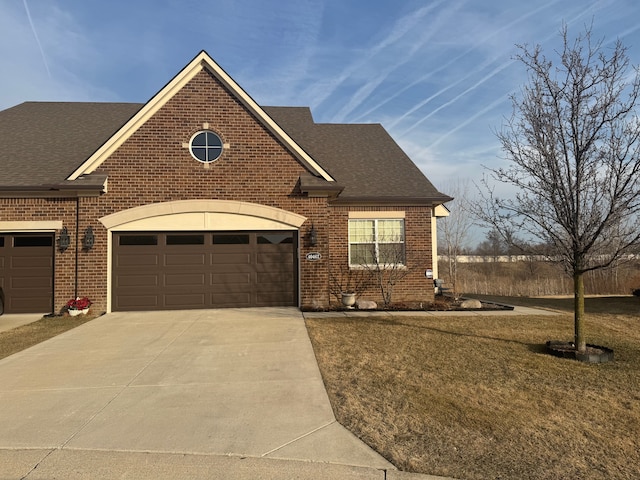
{"x": 478, "y": 398}
{"x": 25, "y": 336}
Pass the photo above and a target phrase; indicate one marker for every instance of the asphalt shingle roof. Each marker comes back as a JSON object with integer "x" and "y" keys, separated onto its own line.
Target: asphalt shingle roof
{"x": 362, "y": 157}
{"x": 42, "y": 143}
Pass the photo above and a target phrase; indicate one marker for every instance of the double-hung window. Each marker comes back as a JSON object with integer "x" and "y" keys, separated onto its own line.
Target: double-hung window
{"x": 376, "y": 242}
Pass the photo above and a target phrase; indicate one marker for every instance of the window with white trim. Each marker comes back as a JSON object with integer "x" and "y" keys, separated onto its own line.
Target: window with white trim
{"x": 205, "y": 146}
{"x": 376, "y": 242}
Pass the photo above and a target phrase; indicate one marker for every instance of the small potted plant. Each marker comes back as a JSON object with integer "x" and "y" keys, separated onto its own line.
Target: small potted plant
{"x": 78, "y": 306}
{"x": 348, "y": 283}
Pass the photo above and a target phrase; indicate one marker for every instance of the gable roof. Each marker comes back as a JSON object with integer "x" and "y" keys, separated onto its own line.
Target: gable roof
{"x": 58, "y": 146}
{"x": 202, "y": 60}
{"x": 363, "y": 158}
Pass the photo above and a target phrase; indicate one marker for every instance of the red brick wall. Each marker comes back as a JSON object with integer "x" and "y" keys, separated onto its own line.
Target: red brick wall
{"x": 153, "y": 166}
{"x": 415, "y": 287}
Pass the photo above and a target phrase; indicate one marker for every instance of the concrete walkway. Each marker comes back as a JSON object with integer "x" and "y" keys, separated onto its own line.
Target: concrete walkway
{"x": 229, "y": 393}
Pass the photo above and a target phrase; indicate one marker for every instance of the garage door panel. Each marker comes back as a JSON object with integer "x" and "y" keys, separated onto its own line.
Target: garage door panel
{"x": 178, "y": 301}
{"x": 268, "y": 280}
{"x": 237, "y": 278}
{"x": 171, "y": 259}
{"x": 231, "y": 259}
{"x": 205, "y": 270}
{"x": 231, "y": 299}
{"x": 28, "y": 304}
{"x": 41, "y": 261}
{"x": 137, "y": 302}
{"x": 144, "y": 293}
{"x": 283, "y": 266}
{"x": 273, "y": 299}
{"x": 271, "y": 260}
{"x": 37, "y": 282}
{"x": 129, "y": 281}
{"x": 185, "y": 279}
{"x": 231, "y": 288}
{"x": 232, "y": 268}
{"x": 137, "y": 260}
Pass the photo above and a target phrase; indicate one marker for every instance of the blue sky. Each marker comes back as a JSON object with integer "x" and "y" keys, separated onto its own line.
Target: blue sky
{"x": 436, "y": 73}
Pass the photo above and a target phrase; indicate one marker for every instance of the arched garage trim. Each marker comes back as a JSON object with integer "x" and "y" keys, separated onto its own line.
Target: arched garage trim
{"x": 202, "y": 215}
{"x": 196, "y": 215}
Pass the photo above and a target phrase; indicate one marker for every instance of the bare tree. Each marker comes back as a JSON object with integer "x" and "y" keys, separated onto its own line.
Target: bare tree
{"x": 387, "y": 267}
{"x": 453, "y": 231}
{"x": 345, "y": 279}
{"x": 573, "y": 145}
{"x": 494, "y": 245}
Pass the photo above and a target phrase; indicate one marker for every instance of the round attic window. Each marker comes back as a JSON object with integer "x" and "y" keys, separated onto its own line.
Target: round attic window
{"x": 205, "y": 146}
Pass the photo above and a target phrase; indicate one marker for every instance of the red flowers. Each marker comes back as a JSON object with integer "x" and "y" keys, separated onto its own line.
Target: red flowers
{"x": 78, "y": 303}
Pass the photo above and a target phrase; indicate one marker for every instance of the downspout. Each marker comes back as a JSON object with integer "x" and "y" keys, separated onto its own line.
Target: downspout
{"x": 75, "y": 290}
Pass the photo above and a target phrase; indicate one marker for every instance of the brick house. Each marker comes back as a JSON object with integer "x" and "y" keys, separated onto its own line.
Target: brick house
{"x": 200, "y": 198}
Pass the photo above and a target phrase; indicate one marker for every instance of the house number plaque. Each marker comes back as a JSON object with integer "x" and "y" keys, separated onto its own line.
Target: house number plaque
{"x": 313, "y": 256}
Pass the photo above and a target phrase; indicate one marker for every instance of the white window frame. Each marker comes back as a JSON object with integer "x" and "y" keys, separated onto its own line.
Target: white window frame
{"x": 377, "y": 241}
{"x": 206, "y": 147}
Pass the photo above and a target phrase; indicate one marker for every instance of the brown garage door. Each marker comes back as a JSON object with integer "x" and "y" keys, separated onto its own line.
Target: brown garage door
{"x": 26, "y": 272}
{"x": 175, "y": 270}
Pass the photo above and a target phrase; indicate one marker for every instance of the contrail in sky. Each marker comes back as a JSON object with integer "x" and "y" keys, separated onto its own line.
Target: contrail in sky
{"x": 459, "y": 96}
{"x": 35, "y": 34}
{"x": 486, "y": 109}
{"x": 398, "y": 30}
{"x": 480, "y": 41}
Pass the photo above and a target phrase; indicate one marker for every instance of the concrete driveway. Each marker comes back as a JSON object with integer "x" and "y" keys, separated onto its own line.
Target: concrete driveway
{"x": 192, "y": 392}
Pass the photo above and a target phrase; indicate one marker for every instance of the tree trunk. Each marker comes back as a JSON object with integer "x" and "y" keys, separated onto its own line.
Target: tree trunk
{"x": 578, "y": 284}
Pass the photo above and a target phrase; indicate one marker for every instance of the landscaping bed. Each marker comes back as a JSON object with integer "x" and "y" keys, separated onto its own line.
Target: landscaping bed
{"x": 442, "y": 303}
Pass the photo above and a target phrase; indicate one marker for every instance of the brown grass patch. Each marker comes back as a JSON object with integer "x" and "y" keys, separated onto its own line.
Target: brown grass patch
{"x": 25, "y": 336}
{"x": 477, "y": 397}
{"x": 531, "y": 279}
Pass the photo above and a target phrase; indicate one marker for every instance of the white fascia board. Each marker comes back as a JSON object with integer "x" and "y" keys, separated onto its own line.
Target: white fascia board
{"x": 202, "y": 60}
{"x": 257, "y": 110}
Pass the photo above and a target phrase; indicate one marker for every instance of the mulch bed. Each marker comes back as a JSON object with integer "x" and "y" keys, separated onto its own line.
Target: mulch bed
{"x": 593, "y": 353}
{"x": 441, "y": 304}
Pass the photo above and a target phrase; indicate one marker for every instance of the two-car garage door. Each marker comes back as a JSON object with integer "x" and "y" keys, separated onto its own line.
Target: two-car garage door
{"x": 189, "y": 270}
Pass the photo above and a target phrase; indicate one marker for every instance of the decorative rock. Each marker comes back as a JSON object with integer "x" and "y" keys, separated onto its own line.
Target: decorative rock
{"x": 366, "y": 305}
{"x": 471, "y": 304}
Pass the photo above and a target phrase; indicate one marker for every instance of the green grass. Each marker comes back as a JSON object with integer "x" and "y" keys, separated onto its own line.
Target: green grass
{"x": 478, "y": 398}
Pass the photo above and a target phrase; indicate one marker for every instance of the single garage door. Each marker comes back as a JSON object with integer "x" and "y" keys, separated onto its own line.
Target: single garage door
{"x": 26, "y": 272}
{"x": 190, "y": 270}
